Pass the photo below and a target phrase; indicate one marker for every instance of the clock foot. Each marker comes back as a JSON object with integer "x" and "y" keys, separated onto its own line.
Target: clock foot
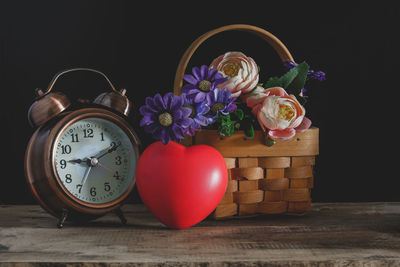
{"x": 121, "y": 216}
{"x": 62, "y": 219}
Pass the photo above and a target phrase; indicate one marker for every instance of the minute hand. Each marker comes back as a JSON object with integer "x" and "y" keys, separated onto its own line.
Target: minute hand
{"x": 108, "y": 151}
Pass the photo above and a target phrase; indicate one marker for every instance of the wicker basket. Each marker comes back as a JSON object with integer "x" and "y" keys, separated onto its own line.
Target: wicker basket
{"x": 262, "y": 180}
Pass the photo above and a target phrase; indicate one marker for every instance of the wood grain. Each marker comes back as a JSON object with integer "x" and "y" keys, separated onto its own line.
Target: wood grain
{"x": 343, "y": 234}
{"x": 273, "y": 184}
{"x": 274, "y": 162}
{"x": 248, "y": 162}
{"x": 247, "y": 173}
{"x": 303, "y": 144}
{"x": 302, "y": 161}
{"x": 230, "y": 162}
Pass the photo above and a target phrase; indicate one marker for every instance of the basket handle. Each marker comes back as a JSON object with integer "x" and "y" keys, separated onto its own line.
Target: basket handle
{"x": 279, "y": 47}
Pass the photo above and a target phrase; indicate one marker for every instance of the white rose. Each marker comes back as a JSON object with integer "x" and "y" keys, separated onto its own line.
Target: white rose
{"x": 241, "y": 71}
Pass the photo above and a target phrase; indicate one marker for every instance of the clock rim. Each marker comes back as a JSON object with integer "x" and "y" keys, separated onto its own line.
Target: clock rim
{"x": 60, "y": 128}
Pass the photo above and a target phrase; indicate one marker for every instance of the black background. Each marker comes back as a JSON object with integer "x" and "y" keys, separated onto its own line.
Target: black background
{"x": 138, "y": 45}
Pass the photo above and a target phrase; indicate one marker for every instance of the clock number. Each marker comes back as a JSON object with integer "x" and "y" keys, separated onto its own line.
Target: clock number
{"x": 68, "y": 178}
{"x": 74, "y": 138}
{"x": 118, "y": 160}
{"x": 88, "y": 133}
{"x": 65, "y": 149}
{"x": 63, "y": 164}
{"x": 80, "y": 187}
{"x": 116, "y": 175}
{"x": 107, "y": 187}
{"x": 93, "y": 191}
{"x": 102, "y": 136}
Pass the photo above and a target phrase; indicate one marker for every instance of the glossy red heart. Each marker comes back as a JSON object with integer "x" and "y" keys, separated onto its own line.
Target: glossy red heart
{"x": 181, "y": 185}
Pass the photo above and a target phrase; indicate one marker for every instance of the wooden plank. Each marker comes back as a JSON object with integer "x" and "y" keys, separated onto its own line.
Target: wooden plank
{"x": 303, "y": 144}
{"x": 296, "y": 194}
{"x": 273, "y": 184}
{"x": 247, "y": 162}
{"x": 299, "y": 172}
{"x": 350, "y": 234}
{"x": 247, "y": 209}
{"x": 302, "y": 161}
{"x": 225, "y": 210}
{"x": 230, "y": 162}
{"x": 227, "y": 199}
{"x": 277, "y": 207}
{"x": 232, "y": 186}
{"x": 247, "y": 173}
{"x": 246, "y": 185}
{"x": 248, "y": 197}
{"x": 274, "y": 162}
{"x": 274, "y": 173}
{"x": 302, "y": 183}
{"x": 273, "y": 196}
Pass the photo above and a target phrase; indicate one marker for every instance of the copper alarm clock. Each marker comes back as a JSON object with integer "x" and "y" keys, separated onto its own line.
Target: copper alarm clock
{"x": 80, "y": 164}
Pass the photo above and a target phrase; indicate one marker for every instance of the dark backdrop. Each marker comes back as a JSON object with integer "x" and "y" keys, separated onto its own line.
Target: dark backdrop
{"x": 139, "y": 45}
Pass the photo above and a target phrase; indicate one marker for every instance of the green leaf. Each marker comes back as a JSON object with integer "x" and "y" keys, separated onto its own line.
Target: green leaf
{"x": 239, "y": 114}
{"x": 273, "y": 82}
{"x": 227, "y": 129}
{"x": 292, "y": 81}
{"x": 297, "y": 83}
{"x": 289, "y": 76}
{"x": 222, "y": 119}
{"x": 249, "y": 131}
{"x": 269, "y": 141}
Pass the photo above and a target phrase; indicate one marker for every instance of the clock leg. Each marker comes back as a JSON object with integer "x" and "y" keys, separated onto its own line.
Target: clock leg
{"x": 62, "y": 219}
{"x": 120, "y": 215}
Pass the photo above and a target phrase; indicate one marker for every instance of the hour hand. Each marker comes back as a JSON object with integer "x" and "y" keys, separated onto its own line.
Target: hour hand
{"x": 79, "y": 161}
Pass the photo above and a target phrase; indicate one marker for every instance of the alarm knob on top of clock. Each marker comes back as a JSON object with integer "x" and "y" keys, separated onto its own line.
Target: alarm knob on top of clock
{"x": 80, "y": 164}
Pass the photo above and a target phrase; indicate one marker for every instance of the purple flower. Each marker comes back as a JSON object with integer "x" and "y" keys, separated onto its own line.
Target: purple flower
{"x": 316, "y": 75}
{"x": 220, "y": 102}
{"x": 201, "y": 82}
{"x": 165, "y": 117}
{"x": 199, "y": 111}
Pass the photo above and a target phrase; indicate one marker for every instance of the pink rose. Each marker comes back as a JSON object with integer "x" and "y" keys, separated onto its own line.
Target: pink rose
{"x": 241, "y": 71}
{"x": 278, "y": 112}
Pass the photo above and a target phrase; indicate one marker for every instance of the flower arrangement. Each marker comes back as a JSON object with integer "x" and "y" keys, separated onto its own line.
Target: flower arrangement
{"x": 227, "y": 96}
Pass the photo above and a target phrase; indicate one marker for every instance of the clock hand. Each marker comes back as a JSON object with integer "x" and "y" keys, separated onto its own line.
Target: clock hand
{"x": 102, "y": 154}
{"x": 105, "y": 167}
{"x": 88, "y": 161}
{"x": 85, "y": 176}
{"x": 99, "y": 155}
{"x": 79, "y": 161}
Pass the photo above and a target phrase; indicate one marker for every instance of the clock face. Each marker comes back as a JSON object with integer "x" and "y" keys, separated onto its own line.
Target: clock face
{"x": 95, "y": 160}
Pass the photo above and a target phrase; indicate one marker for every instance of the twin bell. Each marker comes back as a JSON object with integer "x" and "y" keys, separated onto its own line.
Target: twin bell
{"x": 49, "y": 104}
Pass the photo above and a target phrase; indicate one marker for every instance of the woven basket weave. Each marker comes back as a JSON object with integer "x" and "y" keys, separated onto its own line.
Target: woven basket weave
{"x": 262, "y": 180}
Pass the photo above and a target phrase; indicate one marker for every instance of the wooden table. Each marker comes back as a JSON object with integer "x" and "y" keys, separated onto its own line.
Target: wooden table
{"x": 331, "y": 234}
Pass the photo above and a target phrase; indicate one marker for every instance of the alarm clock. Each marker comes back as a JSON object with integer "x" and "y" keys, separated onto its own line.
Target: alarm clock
{"x": 80, "y": 163}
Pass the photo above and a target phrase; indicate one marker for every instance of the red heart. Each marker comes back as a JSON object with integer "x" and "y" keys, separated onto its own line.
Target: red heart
{"x": 181, "y": 185}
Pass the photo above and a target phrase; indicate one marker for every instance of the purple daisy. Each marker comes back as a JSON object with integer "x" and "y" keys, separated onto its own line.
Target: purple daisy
{"x": 220, "y": 102}
{"x": 199, "y": 112}
{"x": 165, "y": 117}
{"x": 201, "y": 82}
